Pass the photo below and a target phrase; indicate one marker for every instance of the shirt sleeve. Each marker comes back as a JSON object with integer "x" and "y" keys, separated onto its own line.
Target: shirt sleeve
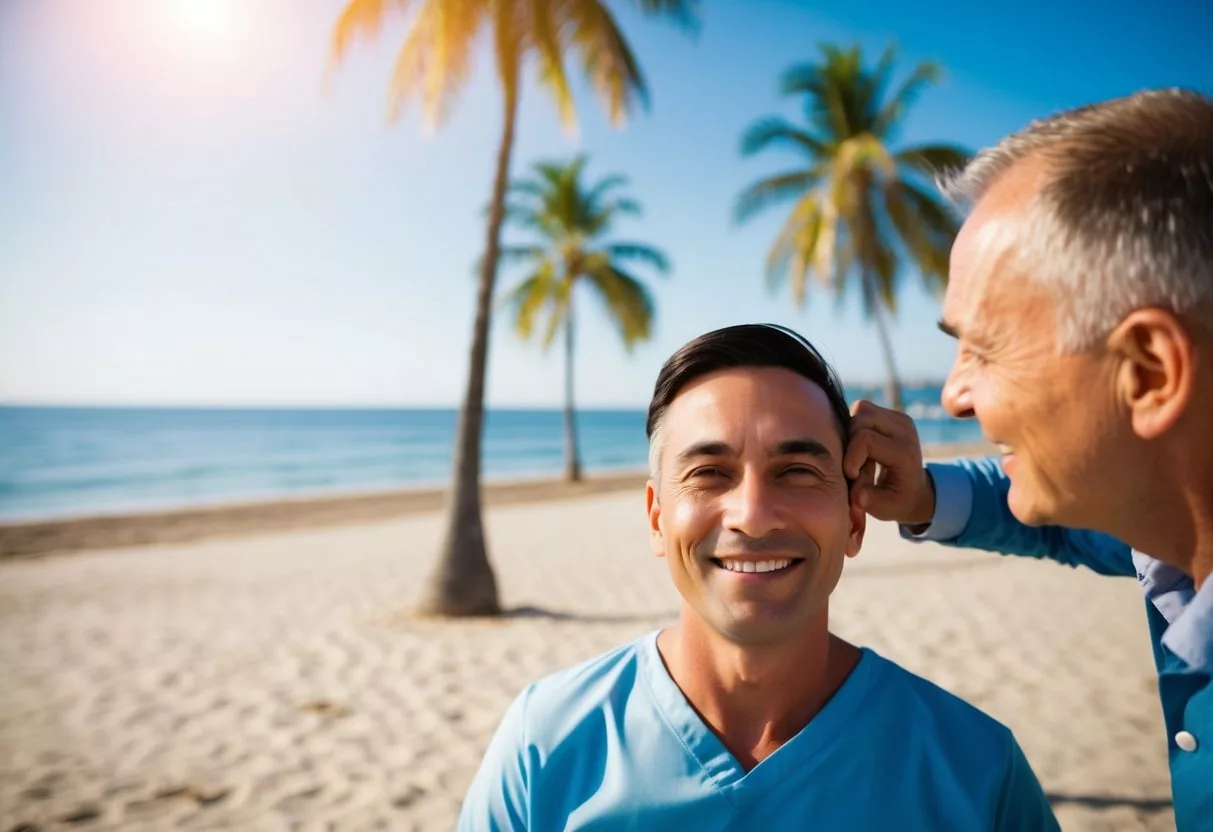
{"x": 1023, "y": 805}
{"x": 498, "y": 798}
{"x": 953, "y": 504}
{"x": 971, "y": 511}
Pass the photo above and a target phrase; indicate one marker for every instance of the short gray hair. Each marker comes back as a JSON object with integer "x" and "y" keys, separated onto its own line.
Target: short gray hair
{"x": 1125, "y": 219}
{"x": 656, "y": 440}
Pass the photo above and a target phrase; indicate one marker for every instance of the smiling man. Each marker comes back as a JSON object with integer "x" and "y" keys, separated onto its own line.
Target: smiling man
{"x": 1081, "y": 296}
{"x": 750, "y": 714}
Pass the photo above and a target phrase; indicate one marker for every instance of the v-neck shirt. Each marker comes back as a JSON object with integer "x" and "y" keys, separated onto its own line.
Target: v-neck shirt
{"x": 613, "y": 743}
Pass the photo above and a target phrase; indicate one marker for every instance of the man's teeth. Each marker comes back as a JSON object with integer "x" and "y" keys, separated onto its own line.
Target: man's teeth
{"x": 1006, "y": 449}
{"x": 755, "y": 565}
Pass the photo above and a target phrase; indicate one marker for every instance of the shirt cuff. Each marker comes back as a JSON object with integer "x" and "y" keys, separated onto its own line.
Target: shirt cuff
{"x": 953, "y": 503}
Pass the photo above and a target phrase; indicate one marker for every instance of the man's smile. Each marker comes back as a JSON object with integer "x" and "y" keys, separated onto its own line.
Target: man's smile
{"x": 758, "y": 569}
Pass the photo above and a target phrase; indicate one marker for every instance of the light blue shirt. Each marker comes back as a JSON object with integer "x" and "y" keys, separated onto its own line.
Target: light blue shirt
{"x": 614, "y": 744}
{"x": 971, "y": 510}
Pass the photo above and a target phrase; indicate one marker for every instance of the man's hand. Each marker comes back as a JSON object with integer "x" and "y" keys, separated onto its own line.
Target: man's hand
{"x": 902, "y": 489}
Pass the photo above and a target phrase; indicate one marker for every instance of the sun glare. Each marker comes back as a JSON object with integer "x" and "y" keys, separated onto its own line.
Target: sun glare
{"x": 206, "y": 20}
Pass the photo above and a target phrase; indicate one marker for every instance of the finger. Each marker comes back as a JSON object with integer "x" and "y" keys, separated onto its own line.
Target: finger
{"x": 865, "y": 477}
{"x": 889, "y": 422}
{"x": 857, "y": 453}
{"x": 872, "y": 446}
{"x": 861, "y": 491}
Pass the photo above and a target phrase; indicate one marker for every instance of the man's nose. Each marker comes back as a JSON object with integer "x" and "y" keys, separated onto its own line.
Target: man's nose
{"x": 956, "y": 396}
{"x": 752, "y": 508}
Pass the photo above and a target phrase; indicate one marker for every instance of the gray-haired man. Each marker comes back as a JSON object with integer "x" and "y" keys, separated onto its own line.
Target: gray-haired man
{"x": 1081, "y": 298}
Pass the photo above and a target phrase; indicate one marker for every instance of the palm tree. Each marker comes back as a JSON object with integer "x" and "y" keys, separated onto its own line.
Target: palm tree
{"x": 571, "y": 222}
{"x": 434, "y": 62}
{"x": 861, "y": 209}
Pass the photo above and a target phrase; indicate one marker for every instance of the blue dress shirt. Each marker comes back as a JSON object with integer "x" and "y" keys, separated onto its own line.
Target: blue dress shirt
{"x": 971, "y": 511}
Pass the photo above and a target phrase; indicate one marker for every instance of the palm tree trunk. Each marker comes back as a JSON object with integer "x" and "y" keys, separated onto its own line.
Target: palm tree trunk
{"x": 462, "y": 582}
{"x": 572, "y": 460}
{"x": 892, "y": 387}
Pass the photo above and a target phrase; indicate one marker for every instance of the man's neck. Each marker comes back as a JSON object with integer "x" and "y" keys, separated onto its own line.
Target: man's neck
{"x": 755, "y": 698}
{"x": 1174, "y": 523}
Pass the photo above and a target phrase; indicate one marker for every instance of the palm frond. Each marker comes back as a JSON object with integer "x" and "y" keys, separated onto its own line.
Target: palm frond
{"x": 528, "y": 297}
{"x": 639, "y": 251}
{"x": 873, "y": 252}
{"x": 861, "y": 152}
{"x": 933, "y": 160}
{"x": 894, "y": 110}
{"x": 361, "y": 18}
{"x": 830, "y": 91}
{"x": 935, "y": 214}
{"x": 606, "y": 58}
{"x": 774, "y": 130}
{"x": 527, "y": 187}
{"x": 608, "y": 183}
{"x": 683, "y": 13}
{"x": 552, "y": 75}
{"x": 876, "y": 83}
{"x": 804, "y": 78}
{"x": 552, "y": 173}
{"x": 829, "y": 256}
{"x": 916, "y": 240}
{"x": 560, "y": 299}
{"x": 624, "y": 205}
{"x": 435, "y": 60}
{"x": 926, "y": 226}
{"x": 509, "y": 46}
{"x": 524, "y": 216}
{"x": 774, "y": 190}
{"x": 628, "y": 302}
{"x": 794, "y": 249}
{"x": 513, "y": 254}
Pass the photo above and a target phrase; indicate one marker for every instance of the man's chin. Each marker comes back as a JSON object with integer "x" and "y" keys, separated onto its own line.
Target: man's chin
{"x": 1028, "y": 508}
{"x": 749, "y": 624}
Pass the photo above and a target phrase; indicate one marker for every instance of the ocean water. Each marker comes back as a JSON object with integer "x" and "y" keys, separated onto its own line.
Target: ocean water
{"x": 63, "y": 462}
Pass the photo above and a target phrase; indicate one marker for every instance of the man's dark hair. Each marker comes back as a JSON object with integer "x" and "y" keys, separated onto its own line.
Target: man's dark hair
{"x": 747, "y": 345}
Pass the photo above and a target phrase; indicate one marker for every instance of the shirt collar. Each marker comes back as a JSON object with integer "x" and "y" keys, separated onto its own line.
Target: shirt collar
{"x": 1189, "y": 634}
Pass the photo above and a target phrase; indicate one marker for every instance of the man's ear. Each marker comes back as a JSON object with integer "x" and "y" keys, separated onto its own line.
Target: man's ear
{"x": 859, "y": 525}
{"x": 1157, "y": 368}
{"x": 656, "y": 541}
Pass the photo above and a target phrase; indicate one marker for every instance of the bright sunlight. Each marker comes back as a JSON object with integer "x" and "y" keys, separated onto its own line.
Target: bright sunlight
{"x": 209, "y": 21}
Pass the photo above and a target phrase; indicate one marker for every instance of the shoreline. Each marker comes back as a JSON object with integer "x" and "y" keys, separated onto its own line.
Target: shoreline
{"x": 21, "y": 539}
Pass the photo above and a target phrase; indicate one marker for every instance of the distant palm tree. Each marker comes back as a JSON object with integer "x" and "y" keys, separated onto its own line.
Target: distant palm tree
{"x": 571, "y": 221}
{"x": 861, "y": 209}
{"x": 434, "y": 63}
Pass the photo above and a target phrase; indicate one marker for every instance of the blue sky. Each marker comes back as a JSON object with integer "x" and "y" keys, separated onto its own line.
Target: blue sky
{"x": 194, "y": 212}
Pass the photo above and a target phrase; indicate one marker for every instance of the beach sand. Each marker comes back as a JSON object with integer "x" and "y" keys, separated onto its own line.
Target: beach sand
{"x": 275, "y": 681}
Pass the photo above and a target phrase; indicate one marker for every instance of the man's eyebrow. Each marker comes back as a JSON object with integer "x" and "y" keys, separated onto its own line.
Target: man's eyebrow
{"x": 802, "y": 446}
{"x": 949, "y": 330}
{"x": 789, "y": 447}
{"x": 700, "y": 449}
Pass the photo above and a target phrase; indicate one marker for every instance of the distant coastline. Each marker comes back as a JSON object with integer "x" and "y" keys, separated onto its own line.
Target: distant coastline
{"x": 73, "y": 462}
{"x": 237, "y": 519}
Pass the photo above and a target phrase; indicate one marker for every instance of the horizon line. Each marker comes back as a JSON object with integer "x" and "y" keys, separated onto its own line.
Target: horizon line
{"x": 304, "y": 405}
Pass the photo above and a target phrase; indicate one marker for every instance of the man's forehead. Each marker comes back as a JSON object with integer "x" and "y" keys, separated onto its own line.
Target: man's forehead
{"x": 986, "y": 245}
{"x": 773, "y": 400}
{"x": 982, "y": 247}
